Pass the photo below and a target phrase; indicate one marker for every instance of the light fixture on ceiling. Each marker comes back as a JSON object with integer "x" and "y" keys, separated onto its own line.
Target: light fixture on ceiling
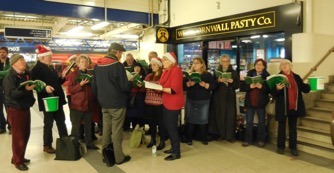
{"x": 280, "y": 39}
{"x": 265, "y": 36}
{"x": 255, "y": 36}
{"x": 74, "y": 30}
{"x": 100, "y": 25}
{"x": 246, "y": 41}
{"x": 126, "y": 36}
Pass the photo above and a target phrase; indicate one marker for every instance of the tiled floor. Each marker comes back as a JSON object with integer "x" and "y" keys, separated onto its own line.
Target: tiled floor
{"x": 216, "y": 157}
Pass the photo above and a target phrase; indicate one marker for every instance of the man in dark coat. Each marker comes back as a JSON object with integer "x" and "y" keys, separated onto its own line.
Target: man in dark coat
{"x": 46, "y": 73}
{"x": 111, "y": 87}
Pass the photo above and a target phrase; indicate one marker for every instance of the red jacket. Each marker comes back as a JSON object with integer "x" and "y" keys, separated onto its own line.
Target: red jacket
{"x": 173, "y": 78}
{"x": 82, "y": 96}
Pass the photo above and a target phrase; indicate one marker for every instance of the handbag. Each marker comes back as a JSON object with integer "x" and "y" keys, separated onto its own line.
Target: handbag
{"x": 109, "y": 155}
{"x": 68, "y": 148}
{"x": 270, "y": 108}
{"x": 137, "y": 137}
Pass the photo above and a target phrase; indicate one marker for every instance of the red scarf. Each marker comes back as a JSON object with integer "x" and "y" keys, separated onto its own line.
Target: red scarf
{"x": 292, "y": 91}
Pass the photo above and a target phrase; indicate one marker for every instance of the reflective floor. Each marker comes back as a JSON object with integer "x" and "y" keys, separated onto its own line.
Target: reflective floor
{"x": 218, "y": 156}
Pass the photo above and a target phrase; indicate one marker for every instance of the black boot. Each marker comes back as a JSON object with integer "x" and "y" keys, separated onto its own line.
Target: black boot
{"x": 151, "y": 144}
{"x": 161, "y": 145}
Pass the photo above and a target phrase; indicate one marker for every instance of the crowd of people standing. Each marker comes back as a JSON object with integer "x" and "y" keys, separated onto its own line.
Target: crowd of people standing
{"x": 210, "y": 102}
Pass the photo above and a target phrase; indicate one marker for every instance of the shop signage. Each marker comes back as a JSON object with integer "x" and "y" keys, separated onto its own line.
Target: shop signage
{"x": 238, "y": 24}
{"x": 13, "y": 32}
{"x": 163, "y": 35}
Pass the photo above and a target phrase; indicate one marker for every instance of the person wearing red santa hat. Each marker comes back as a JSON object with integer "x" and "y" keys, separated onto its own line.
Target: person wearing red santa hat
{"x": 44, "y": 71}
{"x": 154, "y": 106}
{"x": 173, "y": 101}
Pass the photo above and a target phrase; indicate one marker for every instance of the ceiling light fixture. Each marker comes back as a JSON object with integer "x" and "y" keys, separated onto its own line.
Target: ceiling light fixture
{"x": 100, "y": 25}
{"x": 255, "y": 36}
{"x": 280, "y": 39}
{"x": 129, "y": 36}
{"x": 74, "y": 30}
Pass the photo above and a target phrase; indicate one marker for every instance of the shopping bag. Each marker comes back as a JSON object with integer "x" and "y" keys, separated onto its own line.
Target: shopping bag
{"x": 109, "y": 155}
{"x": 270, "y": 108}
{"x": 137, "y": 136}
{"x": 68, "y": 148}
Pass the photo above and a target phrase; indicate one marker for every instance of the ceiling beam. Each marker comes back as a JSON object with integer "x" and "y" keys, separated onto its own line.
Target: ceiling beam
{"x": 61, "y": 23}
{"x": 26, "y": 23}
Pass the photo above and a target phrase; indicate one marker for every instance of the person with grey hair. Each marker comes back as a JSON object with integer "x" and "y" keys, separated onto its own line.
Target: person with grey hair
{"x": 289, "y": 105}
{"x": 111, "y": 87}
{"x": 18, "y": 101}
{"x": 44, "y": 71}
{"x": 222, "y": 119}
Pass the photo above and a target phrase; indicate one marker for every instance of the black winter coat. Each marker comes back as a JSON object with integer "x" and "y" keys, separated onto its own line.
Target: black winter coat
{"x": 18, "y": 98}
{"x": 282, "y": 99}
{"x": 50, "y": 76}
{"x": 263, "y": 92}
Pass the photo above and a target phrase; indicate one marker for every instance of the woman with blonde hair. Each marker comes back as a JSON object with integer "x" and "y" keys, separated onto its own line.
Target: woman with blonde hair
{"x": 289, "y": 105}
{"x": 81, "y": 107}
{"x": 198, "y": 100}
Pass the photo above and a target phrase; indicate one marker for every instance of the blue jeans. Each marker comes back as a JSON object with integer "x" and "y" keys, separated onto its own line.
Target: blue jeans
{"x": 261, "y": 127}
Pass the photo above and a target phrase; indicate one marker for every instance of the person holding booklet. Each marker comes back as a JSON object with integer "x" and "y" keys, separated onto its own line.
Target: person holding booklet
{"x": 289, "y": 105}
{"x": 198, "y": 101}
{"x": 257, "y": 97}
{"x": 173, "y": 100}
{"x": 154, "y": 106}
{"x": 18, "y": 102}
{"x": 44, "y": 71}
{"x": 136, "y": 104}
{"x": 222, "y": 119}
{"x": 81, "y": 107}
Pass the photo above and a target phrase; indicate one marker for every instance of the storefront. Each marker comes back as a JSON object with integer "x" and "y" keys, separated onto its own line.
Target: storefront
{"x": 245, "y": 37}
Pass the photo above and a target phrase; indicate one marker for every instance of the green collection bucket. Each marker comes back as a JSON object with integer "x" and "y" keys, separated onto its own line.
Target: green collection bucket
{"x": 316, "y": 83}
{"x": 51, "y": 103}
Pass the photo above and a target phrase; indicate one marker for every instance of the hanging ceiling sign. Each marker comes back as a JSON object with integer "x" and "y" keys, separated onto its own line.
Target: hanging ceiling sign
{"x": 33, "y": 33}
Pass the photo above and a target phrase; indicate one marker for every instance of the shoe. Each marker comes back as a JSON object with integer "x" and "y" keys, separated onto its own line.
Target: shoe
{"x": 231, "y": 140}
{"x": 161, "y": 146}
{"x": 173, "y": 157}
{"x": 294, "y": 152}
{"x": 21, "y": 167}
{"x": 205, "y": 142}
{"x": 245, "y": 144}
{"x": 24, "y": 161}
{"x": 126, "y": 159}
{"x": 190, "y": 143}
{"x": 2, "y": 131}
{"x": 280, "y": 151}
{"x": 150, "y": 145}
{"x": 92, "y": 147}
{"x": 168, "y": 151}
{"x": 49, "y": 149}
{"x": 10, "y": 131}
{"x": 261, "y": 144}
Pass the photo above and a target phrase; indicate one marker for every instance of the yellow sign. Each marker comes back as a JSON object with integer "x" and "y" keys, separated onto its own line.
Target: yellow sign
{"x": 250, "y": 22}
{"x": 162, "y": 35}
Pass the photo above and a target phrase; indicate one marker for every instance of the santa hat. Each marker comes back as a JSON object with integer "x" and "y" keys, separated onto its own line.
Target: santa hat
{"x": 43, "y": 50}
{"x": 157, "y": 60}
{"x": 171, "y": 56}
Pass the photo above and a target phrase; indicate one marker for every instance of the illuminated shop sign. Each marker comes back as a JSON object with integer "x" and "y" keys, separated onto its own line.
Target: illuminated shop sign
{"x": 244, "y": 23}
